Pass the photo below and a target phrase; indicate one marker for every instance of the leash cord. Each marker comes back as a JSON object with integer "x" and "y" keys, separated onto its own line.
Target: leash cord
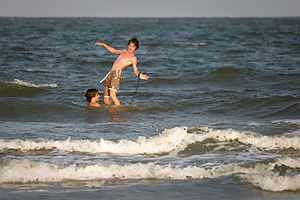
{"x": 135, "y": 90}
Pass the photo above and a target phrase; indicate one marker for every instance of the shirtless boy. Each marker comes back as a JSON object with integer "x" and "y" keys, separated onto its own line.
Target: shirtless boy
{"x": 125, "y": 59}
{"x": 92, "y": 97}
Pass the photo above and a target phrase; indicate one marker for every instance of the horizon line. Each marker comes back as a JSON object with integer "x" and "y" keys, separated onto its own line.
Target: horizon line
{"x": 149, "y": 16}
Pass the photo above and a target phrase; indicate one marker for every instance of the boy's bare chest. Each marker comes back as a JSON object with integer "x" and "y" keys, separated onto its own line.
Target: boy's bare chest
{"x": 125, "y": 58}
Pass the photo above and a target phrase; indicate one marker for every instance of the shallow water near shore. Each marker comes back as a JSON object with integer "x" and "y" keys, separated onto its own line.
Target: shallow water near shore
{"x": 219, "y": 117}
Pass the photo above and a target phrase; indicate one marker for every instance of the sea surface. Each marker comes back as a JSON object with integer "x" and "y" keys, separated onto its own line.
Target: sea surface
{"x": 219, "y": 117}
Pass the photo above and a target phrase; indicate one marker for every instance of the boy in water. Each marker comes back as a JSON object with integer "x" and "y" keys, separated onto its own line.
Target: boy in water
{"x": 114, "y": 77}
{"x": 92, "y": 97}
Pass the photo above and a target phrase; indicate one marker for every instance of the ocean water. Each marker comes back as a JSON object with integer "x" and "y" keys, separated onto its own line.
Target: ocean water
{"x": 219, "y": 117}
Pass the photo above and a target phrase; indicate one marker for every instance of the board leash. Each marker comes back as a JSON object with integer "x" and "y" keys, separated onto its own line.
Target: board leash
{"x": 137, "y": 86}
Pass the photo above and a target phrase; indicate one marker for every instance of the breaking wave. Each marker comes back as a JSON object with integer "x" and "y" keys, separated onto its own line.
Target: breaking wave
{"x": 27, "y": 84}
{"x": 273, "y": 174}
{"x": 265, "y": 176}
{"x": 19, "y": 88}
{"x": 170, "y": 140}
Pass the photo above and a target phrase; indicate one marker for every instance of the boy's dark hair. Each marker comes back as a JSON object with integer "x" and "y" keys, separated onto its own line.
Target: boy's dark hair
{"x": 90, "y": 93}
{"x": 135, "y": 41}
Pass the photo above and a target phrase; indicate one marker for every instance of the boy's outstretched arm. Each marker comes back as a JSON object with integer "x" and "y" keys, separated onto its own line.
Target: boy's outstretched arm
{"x": 136, "y": 71}
{"x": 109, "y": 48}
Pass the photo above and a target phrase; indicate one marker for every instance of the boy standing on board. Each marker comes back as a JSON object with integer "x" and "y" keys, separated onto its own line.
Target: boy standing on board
{"x": 114, "y": 77}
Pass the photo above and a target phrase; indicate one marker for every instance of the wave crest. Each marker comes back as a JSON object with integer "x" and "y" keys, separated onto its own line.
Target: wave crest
{"x": 261, "y": 175}
{"x": 170, "y": 140}
{"x": 250, "y": 138}
{"x": 27, "y": 84}
{"x": 167, "y": 141}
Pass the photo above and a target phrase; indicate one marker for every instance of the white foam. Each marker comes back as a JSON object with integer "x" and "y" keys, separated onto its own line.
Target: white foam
{"x": 274, "y": 182}
{"x": 169, "y": 141}
{"x": 261, "y": 175}
{"x": 266, "y": 178}
{"x": 28, "y": 171}
{"x": 288, "y": 121}
{"x": 27, "y": 84}
{"x": 253, "y": 139}
{"x": 294, "y": 133}
{"x": 255, "y": 124}
{"x": 293, "y": 121}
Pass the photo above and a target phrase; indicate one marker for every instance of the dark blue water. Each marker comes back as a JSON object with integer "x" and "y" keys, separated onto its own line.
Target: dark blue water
{"x": 219, "y": 117}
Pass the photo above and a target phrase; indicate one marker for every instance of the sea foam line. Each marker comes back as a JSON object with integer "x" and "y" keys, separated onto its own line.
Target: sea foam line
{"x": 261, "y": 175}
{"x": 27, "y": 84}
{"x": 254, "y": 139}
{"x": 266, "y": 177}
{"x": 170, "y": 140}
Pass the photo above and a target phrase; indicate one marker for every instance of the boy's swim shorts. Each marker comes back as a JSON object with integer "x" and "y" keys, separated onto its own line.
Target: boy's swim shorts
{"x": 112, "y": 81}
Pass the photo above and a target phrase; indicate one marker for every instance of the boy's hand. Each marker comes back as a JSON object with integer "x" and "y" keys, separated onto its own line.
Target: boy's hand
{"x": 99, "y": 43}
{"x": 144, "y": 76}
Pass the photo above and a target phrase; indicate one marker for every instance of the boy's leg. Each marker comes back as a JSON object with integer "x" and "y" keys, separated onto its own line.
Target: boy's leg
{"x": 113, "y": 95}
{"x": 106, "y": 95}
{"x": 115, "y": 82}
{"x": 106, "y": 100}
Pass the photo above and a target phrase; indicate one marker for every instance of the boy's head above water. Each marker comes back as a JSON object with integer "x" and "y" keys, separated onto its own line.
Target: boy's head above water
{"x": 92, "y": 97}
{"x": 134, "y": 42}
